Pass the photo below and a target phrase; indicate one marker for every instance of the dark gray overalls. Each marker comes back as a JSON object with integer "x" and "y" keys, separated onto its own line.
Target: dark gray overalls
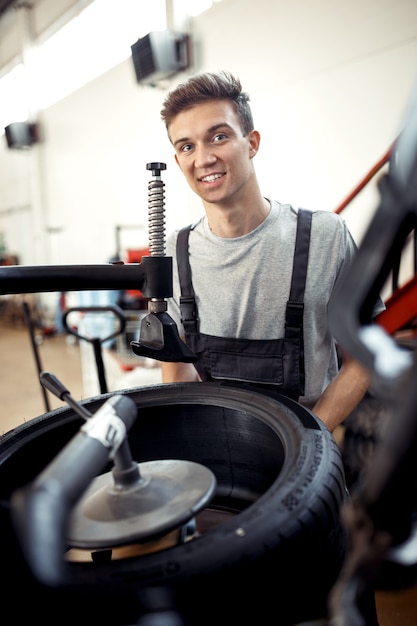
{"x": 276, "y": 363}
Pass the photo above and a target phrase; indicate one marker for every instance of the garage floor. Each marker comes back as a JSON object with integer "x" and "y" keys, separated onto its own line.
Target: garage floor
{"x": 22, "y": 399}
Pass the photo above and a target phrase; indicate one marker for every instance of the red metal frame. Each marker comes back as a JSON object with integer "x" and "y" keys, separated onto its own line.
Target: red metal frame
{"x": 401, "y": 308}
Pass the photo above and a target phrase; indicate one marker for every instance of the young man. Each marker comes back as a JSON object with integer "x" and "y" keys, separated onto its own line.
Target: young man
{"x": 246, "y": 264}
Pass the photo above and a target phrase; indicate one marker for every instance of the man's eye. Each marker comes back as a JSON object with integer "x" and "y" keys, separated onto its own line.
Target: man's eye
{"x": 219, "y": 137}
{"x": 186, "y": 147}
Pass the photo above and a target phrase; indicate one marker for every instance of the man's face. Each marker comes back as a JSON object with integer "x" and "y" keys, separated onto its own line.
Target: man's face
{"x": 212, "y": 152}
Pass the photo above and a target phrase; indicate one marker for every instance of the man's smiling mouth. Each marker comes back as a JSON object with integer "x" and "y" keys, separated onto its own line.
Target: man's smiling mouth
{"x": 210, "y": 178}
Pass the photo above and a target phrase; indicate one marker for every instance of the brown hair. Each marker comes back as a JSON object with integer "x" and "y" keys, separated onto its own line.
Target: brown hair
{"x": 209, "y": 86}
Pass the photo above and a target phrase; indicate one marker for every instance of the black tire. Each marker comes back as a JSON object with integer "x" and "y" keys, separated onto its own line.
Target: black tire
{"x": 363, "y": 430}
{"x": 279, "y": 473}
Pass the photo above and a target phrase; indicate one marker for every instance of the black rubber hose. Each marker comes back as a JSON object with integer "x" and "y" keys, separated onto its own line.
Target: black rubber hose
{"x": 40, "y": 510}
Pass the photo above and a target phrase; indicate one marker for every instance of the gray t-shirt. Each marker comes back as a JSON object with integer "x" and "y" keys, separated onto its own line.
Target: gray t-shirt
{"x": 242, "y": 284}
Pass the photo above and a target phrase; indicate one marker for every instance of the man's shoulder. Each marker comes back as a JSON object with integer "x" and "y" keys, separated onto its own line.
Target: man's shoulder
{"x": 320, "y": 217}
{"x": 327, "y": 219}
{"x": 171, "y": 240}
{"x": 288, "y": 209}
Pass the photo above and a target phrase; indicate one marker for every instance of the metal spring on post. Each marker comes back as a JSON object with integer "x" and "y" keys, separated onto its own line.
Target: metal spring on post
{"x": 156, "y": 210}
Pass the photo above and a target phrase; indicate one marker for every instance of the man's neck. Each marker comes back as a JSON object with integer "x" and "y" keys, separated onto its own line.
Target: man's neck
{"x": 231, "y": 222}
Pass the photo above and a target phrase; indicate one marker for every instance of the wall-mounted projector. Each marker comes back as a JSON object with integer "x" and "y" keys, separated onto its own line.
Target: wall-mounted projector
{"x": 159, "y": 55}
{"x": 21, "y": 135}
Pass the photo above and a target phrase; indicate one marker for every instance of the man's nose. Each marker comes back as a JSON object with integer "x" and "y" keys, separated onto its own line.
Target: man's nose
{"x": 204, "y": 156}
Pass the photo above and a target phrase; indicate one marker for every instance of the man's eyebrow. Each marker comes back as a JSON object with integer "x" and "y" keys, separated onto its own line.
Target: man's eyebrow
{"x": 210, "y": 130}
{"x": 181, "y": 140}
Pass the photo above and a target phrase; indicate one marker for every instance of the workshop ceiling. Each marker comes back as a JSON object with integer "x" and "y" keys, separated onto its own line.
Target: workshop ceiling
{"x": 5, "y": 4}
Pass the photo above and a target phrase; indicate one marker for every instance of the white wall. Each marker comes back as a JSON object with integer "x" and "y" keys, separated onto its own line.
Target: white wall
{"x": 329, "y": 83}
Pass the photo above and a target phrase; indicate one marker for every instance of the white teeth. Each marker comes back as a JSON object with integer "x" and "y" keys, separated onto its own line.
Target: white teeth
{"x": 209, "y": 179}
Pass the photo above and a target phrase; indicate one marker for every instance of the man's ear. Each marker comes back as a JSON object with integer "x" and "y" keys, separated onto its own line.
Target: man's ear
{"x": 254, "y": 141}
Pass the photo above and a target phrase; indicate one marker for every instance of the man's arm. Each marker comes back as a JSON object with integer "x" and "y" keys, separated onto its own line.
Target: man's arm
{"x": 343, "y": 394}
{"x": 178, "y": 372}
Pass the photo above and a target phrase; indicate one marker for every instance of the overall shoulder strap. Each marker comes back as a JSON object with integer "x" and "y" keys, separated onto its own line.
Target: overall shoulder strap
{"x": 188, "y": 305}
{"x": 302, "y": 247}
{"x": 295, "y": 305}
